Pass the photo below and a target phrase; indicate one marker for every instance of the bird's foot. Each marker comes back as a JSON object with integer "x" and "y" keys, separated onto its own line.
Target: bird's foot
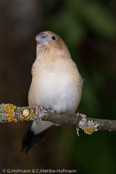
{"x": 77, "y": 130}
{"x": 83, "y": 116}
{"x": 37, "y": 111}
{"x": 37, "y": 108}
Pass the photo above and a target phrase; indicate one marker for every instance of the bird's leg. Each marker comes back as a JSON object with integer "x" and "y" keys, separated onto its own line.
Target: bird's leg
{"x": 83, "y": 116}
{"x": 37, "y": 108}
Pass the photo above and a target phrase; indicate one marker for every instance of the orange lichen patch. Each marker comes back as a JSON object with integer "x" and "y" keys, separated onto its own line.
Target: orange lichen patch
{"x": 9, "y": 107}
{"x": 11, "y": 119}
{"x": 13, "y": 114}
{"x": 88, "y": 130}
{"x": 20, "y": 119}
{"x": 9, "y": 110}
{"x": 32, "y": 113}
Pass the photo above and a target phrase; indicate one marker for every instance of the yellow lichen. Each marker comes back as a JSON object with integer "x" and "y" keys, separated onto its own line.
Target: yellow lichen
{"x": 11, "y": 118}
{"x": 32, "y": 113}
{"x": 88, "y": 130}
{"x": 9, "y": 110}
{"x": 20, "y": 119}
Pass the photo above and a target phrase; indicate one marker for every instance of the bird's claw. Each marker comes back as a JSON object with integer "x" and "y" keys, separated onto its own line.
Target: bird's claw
{"x": 37, "y": 111}
{"x": 83, "y": 116}
{"x": 77, "y": 130}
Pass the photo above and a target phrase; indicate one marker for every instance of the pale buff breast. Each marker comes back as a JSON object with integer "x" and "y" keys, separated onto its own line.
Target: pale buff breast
{"x": 56, "y": 85}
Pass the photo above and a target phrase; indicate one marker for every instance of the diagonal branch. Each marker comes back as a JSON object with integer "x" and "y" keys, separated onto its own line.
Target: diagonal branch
{"x": 12, "y": 113}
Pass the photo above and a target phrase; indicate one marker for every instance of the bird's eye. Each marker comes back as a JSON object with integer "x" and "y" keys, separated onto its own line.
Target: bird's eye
{"x": 53, "y": 37}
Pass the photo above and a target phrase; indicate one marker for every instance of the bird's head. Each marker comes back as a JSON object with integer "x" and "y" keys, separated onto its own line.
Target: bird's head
{"x": 50, "y": 43}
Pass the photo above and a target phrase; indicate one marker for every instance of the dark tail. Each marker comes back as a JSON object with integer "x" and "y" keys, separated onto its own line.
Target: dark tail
{"x": 30, "y": 139}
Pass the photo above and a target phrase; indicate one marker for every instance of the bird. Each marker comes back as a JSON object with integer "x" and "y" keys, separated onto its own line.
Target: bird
{"x": 56, "y": 83}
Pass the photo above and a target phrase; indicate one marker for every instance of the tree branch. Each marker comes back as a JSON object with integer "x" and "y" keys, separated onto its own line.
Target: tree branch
{"x": 12, "y": 113}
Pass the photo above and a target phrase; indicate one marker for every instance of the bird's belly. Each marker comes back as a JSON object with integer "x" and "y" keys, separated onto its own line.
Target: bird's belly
{"x": 56, "y": 92}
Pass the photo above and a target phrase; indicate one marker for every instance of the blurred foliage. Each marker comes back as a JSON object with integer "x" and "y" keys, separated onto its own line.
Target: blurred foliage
{"x": 89, "y": 30}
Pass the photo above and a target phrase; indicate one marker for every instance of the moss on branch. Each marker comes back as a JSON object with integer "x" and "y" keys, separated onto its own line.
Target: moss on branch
{"x": 12, "y": 113}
